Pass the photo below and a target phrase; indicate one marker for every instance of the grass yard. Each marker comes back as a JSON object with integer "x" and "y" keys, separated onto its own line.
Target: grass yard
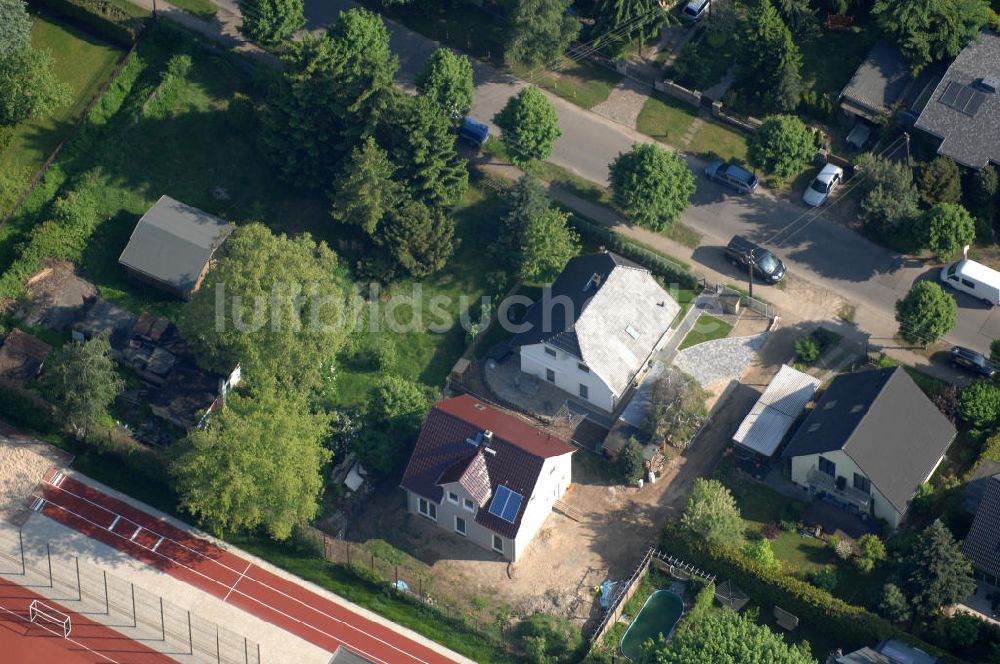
{"x": 85, "y": 63}
{"x": 829, "y": 60}
{"x": 706, "y": 328}
{"x": 669, "y": 120}
{"x": 204, "y": 9}
{"x": 582, "y": 83}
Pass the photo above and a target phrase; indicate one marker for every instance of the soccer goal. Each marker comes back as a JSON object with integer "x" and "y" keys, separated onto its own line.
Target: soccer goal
{"x": 44, "y": 615}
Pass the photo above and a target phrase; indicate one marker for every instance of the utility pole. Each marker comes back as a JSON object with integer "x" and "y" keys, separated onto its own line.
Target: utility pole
{"x": 750, "y": 271}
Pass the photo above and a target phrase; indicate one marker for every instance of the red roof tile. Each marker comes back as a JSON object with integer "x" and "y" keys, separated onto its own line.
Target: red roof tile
{"x": 520, "y": 450}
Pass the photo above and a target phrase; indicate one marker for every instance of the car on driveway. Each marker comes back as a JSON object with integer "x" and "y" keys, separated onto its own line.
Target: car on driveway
{"x": 970, "y": 360}
{"x": 823, "y": 185}
{"x": 730, "y": 174}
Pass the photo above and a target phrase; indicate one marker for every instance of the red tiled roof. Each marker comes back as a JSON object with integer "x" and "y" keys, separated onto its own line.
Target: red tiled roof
{"x": 520, "y": 450}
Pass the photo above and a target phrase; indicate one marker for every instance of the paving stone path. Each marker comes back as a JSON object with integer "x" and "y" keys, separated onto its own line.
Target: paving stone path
{"x": 713, "y": 361}
{"x": 624, "y": 103}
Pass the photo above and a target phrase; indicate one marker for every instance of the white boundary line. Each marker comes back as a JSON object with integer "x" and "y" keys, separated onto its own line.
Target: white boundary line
{"x": 226, "y": 598}
{"x": 239, "y": 592}
{"x": 73, "y": 641}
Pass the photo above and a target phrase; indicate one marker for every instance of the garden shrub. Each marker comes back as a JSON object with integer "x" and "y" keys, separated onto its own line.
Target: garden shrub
{"x": 979, "y": 404}
{"x": 545, "y": 638}
{"x": 825, "y": 579}
{"x": 807, "y": 350}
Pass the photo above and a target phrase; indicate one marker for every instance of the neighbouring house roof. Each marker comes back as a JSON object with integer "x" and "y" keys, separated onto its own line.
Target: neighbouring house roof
{"x": 885, "y": 424}
{"x": 605, "y": 310}
{"x": 767, "y": 423}
{"x": 982, "y": 544}
{"x": 892, "y": 651}
{"x": 975, "y": 486}
{"x": 513, "y": 457}
{"x": 962, "y": 111}
{"x": 864, "y": 656}
{"x": 22, "y": 355}
{"x": 173, "y": 243}
{"x": 880, "y": 82}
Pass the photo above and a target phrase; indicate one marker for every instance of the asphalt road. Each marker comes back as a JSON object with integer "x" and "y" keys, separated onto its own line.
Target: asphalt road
{"x": 814, "y": 247}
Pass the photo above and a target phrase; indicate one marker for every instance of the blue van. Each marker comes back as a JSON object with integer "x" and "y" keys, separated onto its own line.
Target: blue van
{"x": 474, "y": 132}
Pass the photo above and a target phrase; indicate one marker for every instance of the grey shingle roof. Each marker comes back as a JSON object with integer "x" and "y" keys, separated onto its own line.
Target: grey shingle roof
{"x": 972, "y": 140}
{"x": 982, "y": 545}
{"x": 880, "y": 81}
{"x": 173, "y": 242}
{"x": 888, "y": 427}
{"x": 618, "y": 314}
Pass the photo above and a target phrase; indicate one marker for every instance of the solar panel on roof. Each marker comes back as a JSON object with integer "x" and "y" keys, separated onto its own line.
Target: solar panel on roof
{"x": 506, "y": 504}
{"x": 950, "y": 93}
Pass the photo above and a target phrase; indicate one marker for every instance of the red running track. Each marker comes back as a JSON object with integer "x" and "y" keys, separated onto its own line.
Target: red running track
{"x": 24, "y": 642}
{"x": 225, "y": 575}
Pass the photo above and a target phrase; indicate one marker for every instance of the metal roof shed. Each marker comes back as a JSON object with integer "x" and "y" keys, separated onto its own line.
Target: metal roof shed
{"x": 763, "y": 429}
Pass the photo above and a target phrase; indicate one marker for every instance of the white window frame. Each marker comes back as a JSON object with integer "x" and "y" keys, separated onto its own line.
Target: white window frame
{"x": 497, "y": 538}
{"x": 453, "y": 497}
{"x": 463, "y": 532}
{"x": 469, "y": 506}
{"x": 427, "y": 509}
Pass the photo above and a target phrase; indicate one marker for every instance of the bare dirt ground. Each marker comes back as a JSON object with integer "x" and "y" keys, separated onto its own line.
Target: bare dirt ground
{"x": 23, "y": 462}
{"x": 56, "y": 292}
{"x": 568, "y": 557}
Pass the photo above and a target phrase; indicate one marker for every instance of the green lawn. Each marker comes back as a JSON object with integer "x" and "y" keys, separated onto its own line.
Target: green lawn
{"x": 201, "y": 8}
{"x": 669, "y": 120}
{"x": 582, "y": 83}
{"x": 706, "y": 328}
{"x": 85, "y": 63}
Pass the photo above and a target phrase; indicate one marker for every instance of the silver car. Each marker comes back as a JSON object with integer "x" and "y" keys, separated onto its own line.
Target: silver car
{"x": 823, "y": 185}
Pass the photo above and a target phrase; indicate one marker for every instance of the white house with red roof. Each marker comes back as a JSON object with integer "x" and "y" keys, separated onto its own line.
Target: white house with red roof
{"x": 485, "y": 475}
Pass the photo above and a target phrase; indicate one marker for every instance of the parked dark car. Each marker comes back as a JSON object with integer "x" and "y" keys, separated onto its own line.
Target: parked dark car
{"x": 970, "y": 360}
{"x": 735, "y": 176}
{"x": 767, "y": 267}
{"x": 474, "y": 132}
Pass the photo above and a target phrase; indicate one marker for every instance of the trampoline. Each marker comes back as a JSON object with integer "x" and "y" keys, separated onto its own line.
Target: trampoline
{"x": 659, "y": 615}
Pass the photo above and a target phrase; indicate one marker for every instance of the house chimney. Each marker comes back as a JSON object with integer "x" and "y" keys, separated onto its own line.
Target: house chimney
{"x": 487, "y": 436}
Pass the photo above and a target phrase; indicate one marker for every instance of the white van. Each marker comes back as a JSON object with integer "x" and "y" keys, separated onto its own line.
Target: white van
{"x": 976, "y": 279}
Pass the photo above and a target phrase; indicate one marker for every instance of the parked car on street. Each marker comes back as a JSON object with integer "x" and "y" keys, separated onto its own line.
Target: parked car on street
{"x": 823, "y": 184}
{"x": 696, "y": 10}
{"x": 970, "y": 360}
{"x": 735, "y": 176}
{"x": 978, "y": 280}
{"x": 767, "y": 267}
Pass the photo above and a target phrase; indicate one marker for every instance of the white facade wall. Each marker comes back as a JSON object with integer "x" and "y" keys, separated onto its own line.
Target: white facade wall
{"x": 881, "y": 507}
{"x": 568, "y": 375}
{"x": 553, "y": 481}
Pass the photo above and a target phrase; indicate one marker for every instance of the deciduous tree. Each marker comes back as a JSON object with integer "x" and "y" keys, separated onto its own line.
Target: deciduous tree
{"x": 547, "y": 243}
{"x": 392, "y": 418}
{"x": 271, "y": 21}
{"x": 81, "y": 382}
{"x": 676, "y": 408}
{"x": 782, "y": 147}
{"x": 447, "y": 80}
{"x": 761, "y": 553}
{"x": 29, "y": 87}
{"x": 930, "y": 30}
{"x": 711, "y": 513}
{"x": 949, "y": 228}
{"x": 255, "y": 465}
{"x": 540, "y": 31}
{"x": 979, "y": 404}
{"x": 934, "y": 572}
{"x": 529, "y": 126}
{"x": 272, "y": 303}
{"x": 15, "y": 28}
{"x": 652, "y": 186}
{"x": 926, "y": 313}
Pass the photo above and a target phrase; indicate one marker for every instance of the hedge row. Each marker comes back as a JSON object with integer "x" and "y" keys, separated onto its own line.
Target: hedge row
{"x": 100, "y": 17}
{"x": 672, "y": 271}
{"x": 23, "y": 411}
{"x": 850, "y": 625}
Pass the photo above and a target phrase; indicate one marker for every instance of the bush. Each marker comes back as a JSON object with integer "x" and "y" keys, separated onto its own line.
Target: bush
{"x": 844, "y": 549}
{"x": 99, "y": 17}
{"x": 962, "y": 629}
{"x": 306, "y": 541}
{"x": 947, "y": 402}
{"x": 632, "y": 462}
{"x": 548, "y": 639}
{"x": 807, "y": 350}
{"x": 825, "y": 579}
{"x": 241, "y": 113}
{"x": 692, "y": 69}
{"x": 782, "y": 147}
{"x": 926, "y": 313}
{"x": 770, "y": 531}
{"x": 995, "y": 350}
{"x": 979, "y": 404}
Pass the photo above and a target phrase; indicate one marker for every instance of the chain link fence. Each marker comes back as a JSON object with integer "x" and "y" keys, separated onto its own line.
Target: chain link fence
{"x": 143, "y": 615}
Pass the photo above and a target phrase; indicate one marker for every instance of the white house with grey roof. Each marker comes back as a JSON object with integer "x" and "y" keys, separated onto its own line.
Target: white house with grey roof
{"x": 595, "y": 330}
{"x": 172, "y": 246}
{"x": 964, "y": 110}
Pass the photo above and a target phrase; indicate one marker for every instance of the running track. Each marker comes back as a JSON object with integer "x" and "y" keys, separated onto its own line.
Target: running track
{"x": 89, "y": 642}
{"x": 225, "y": 575}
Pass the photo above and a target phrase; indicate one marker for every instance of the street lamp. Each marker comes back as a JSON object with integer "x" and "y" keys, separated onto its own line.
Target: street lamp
{"x": 750, "y": 264}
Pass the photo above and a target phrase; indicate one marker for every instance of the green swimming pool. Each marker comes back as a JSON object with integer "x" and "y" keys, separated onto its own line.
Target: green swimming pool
{"x": 658, "y": 615}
